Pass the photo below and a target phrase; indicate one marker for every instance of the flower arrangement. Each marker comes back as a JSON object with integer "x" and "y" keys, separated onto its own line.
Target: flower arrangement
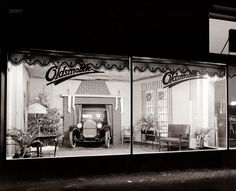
{"x": 146, "y": 123}
{"x": 201, "y": 134}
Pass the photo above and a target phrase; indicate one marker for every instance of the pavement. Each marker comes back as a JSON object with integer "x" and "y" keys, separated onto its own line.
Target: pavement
{"x": 188, "y": 179}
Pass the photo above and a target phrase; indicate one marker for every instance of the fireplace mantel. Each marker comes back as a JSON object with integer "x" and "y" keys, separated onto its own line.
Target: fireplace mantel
{"x": 73, "y": 104}
{"x": 91, "y": 95}
{"x": 71, "y": 98}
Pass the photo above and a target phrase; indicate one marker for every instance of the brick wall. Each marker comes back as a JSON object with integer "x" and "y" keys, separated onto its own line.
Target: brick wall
{"x": 94, "y": 87}
{"x": 70, "y": 118}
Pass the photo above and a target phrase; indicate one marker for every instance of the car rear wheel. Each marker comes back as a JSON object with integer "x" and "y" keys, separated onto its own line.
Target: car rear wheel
{"x": 72, "y": 138}
{"x": 107, "y": 139}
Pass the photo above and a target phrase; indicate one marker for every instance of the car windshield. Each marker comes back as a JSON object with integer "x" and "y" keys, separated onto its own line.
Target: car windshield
{"x": 95, "y": 114}
{"x": 92, "y": 115}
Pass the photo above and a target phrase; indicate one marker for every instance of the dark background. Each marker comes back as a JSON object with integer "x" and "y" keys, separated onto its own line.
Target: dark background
{"x": 145, "y": 28}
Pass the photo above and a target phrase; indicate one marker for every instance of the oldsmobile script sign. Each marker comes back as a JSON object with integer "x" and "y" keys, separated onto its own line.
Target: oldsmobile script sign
{"x": 173, "y": 78}
{"x": 58, "y": 74}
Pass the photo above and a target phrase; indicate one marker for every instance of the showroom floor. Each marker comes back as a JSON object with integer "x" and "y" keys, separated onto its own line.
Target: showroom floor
{"x": 95, "y": 150}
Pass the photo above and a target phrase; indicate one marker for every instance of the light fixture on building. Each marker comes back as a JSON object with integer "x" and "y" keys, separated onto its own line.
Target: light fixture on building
{"x": 233, "y": 103}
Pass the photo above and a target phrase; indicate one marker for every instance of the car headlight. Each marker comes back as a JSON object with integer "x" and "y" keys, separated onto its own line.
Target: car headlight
{"x": 79, "y": 125}
{"x": 99, "y": 125}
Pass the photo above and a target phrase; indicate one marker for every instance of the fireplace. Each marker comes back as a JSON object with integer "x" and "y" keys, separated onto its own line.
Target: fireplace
{"x": 92, "y": 94}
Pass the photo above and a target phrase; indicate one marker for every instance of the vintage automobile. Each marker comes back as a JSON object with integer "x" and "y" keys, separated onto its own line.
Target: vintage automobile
{"x": 92, "y": 126}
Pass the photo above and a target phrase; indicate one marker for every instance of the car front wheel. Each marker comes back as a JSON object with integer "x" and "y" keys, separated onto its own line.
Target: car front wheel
{"x": 72, "y": 138}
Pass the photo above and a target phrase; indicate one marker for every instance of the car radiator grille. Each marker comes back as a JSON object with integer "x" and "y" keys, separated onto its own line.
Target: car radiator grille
{"x": 90, "y": 129}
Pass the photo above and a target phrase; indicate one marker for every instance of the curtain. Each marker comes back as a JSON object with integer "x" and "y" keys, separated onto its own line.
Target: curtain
{"x": 109, "y": 114}
{"x": 79, "y": 112}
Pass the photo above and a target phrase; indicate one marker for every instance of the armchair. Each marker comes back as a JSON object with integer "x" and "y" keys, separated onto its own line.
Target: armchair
{"x": 178, "y": 135}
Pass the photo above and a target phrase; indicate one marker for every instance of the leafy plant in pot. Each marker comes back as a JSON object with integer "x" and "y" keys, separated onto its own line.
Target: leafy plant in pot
{"x": 24, "y": 140}
{"x": 50, "y": 123}
{"x": 201, "y": 134}
{"x": 147, "y": 125}
{"x": 43, "y": 124}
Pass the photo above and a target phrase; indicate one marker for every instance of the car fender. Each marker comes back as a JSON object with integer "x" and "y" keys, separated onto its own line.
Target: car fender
{"x": 107, "y": 127}
{"x": 72, "y": 128}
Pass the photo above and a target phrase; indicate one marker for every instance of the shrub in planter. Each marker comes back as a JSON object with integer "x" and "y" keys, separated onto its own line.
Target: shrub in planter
{"x": 24, "y": 139}
{"x": 201, "y": 135}
{"x": 146, "y": 123}
{"x": 48, "y": 124}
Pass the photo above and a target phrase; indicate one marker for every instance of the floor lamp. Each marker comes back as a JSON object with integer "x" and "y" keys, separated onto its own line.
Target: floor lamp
{"x": 36, "y": 109}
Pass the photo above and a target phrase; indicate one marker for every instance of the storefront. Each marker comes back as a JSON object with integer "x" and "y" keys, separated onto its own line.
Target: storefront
{"x": 64, "y": 105}
{"x": 87, "y": 107}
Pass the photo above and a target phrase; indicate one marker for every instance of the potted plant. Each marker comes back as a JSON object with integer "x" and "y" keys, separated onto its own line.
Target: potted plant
{"x": 147, "y": 126}
{"x": 24, "y": 140}
{"x": 146, "y": 123}
{"x": 49, "y": 123}
{"x": 201, "y": 135}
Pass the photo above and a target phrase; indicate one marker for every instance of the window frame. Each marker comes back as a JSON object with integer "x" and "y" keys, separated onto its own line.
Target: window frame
{"x": 131, "y": 85}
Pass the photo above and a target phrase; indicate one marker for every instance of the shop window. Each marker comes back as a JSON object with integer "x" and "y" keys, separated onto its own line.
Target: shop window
{"x": 183, "y": 105}
{"x": 61, "y": 105}
{"x": 79, "y": 105}
{"x": 232, "y": 106}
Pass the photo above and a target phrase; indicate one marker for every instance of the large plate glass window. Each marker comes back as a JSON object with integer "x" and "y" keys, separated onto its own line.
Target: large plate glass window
{"x": 64, "y": 104}
{"x": 232, "y": 105}
{"x": 178, "y": 106}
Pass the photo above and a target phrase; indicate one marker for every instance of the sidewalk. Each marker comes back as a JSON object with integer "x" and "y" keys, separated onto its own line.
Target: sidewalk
{"x": 191, "y": 179}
